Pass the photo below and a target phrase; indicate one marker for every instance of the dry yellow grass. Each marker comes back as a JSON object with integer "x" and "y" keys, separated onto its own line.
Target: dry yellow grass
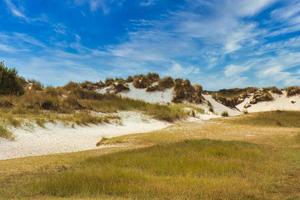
{"x": 219, "y": 159}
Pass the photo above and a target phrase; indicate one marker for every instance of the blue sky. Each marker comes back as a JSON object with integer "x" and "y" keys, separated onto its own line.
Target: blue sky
{"x": 219, "y": 44}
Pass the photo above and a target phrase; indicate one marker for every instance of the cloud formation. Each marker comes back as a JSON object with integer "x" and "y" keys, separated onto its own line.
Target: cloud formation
{"x": 254, "y": 42}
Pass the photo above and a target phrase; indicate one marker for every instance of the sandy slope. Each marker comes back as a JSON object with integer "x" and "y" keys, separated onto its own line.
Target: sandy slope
{"x": 280, "y": 102}
{"x": 219, "y": 108}
{"x": 57, "y": 138}
{"x": 165, "y": 96}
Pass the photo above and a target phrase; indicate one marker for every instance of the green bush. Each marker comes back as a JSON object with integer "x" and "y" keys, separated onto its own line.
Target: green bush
{"x": 225, "y": 114}
{"x": 10, "y": 83}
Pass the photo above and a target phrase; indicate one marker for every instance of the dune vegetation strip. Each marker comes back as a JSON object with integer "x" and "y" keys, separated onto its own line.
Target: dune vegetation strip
{"x": 215, "y": 160}
{"x": 25, "y": 101}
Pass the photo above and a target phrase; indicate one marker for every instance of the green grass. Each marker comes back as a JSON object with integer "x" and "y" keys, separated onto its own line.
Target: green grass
{"x": 196, "y": 169}
{"x": 270, "y": 119}
{"x": 5, "y": 133}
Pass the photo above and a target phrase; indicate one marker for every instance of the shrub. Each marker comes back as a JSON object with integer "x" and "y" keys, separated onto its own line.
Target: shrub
{"x": 6, "y": 102}
{"x": 91, "y": 86}
{"x": 274, "y": 90}
{"x": 34, "y": 85}
{"x": 52, "y": 91}
{"x": 71, "y": 102}
{"x": 119, "y": 87}
{"x": 225, "y": 114}
{"x": 184, "y": 91}
{"x": 109, "y": 81}
{"x": 152, "y": 77}
{"x": 166, "y": 82}
{"x": 71, "y": 86}
{"x": 5, "y": 133}
{"x": 10, "y": 83}
{"x": 153, "y": 88}
{"x": 261, "y": 95}
{"x": 141, "y": 81}
{"x": 129, "y": 79}
{"x": 292, "y": 91}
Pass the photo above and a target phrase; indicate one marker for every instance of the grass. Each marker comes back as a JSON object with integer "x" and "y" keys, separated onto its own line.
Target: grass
{"x": 270, "y": 119}
{"x": 198, "y": 169}
{"x": 5, "y": 133}
{"x": 215, "y": 160}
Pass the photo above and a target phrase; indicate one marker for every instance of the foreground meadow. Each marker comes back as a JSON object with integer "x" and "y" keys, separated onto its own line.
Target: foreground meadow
{"x": 255, "y": 156}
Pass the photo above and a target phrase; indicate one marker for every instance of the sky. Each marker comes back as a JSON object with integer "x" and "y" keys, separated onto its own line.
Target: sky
{"x": 218, "y": 44}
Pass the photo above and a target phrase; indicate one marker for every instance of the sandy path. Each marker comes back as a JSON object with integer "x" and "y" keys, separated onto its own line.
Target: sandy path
{"x": 57, "y": 138}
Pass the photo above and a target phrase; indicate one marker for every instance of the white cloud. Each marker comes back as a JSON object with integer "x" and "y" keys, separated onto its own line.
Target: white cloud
{"x": 15, "y": 10}
{"x": 178, "y": 70}
{"x": 103, "y": 5}
{"x": 234, "y": 70}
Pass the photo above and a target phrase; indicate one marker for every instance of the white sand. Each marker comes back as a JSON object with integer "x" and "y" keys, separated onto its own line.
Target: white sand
{"x": 57, "y": 138}
{"x": 164, "y": 97}
{"x": 220, "y": 108}
{"x": 280, "y": 102}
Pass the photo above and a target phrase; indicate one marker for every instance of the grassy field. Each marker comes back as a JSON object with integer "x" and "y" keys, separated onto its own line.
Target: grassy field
{"x": 270, "y": 119}
{"x": 232, "y": 158}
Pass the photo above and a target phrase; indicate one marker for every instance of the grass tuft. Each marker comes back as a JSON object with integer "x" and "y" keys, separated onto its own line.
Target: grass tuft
{"x": 5, "y": 133}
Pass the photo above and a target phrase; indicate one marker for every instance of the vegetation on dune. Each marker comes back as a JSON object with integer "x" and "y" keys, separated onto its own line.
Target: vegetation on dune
{"x": 185, "y": 92}
{"x": 292, "y": 91}
{"x": 274, "y": 90}
{"x": 10, "y": 82}
{"x": 269, "y": 119}
{"x": 23, "y": 100}
{"x": 232, "y": 97}
{"x": 235, "y": 96}
{"x": 225, "y": 114}
{"x": 5, "y": 133}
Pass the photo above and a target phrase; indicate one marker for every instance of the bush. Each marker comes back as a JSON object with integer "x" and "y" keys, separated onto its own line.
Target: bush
{"x": 141, "y": 82}
{"x": 225, "y": 114}
{"x": 5, "y": 133}
{"x": 153, "y": 88}
{"x": 274, "y": 90}
{"x": 184, "y": 91}
{"x": 260, "y": 96}
{"x": 6, "y": 102}
{"x": 166, "y": 82}
{"x": 153, "y": 77}
{"x": 34, "y": 85}
{"x": 71, "y": 86}
{"x": 292, "y": 91}
{"x": 119, "y": 87}
{"x": 10, "y": 83}
{"x": 109, "y": 81}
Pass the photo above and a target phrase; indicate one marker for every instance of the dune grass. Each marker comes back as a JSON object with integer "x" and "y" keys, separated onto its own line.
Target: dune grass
{"x": 270, "y": 119}
{"x": 5, "y": 133}
{"x": 198, "y": 169}
{"x": 187, "y": 161}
